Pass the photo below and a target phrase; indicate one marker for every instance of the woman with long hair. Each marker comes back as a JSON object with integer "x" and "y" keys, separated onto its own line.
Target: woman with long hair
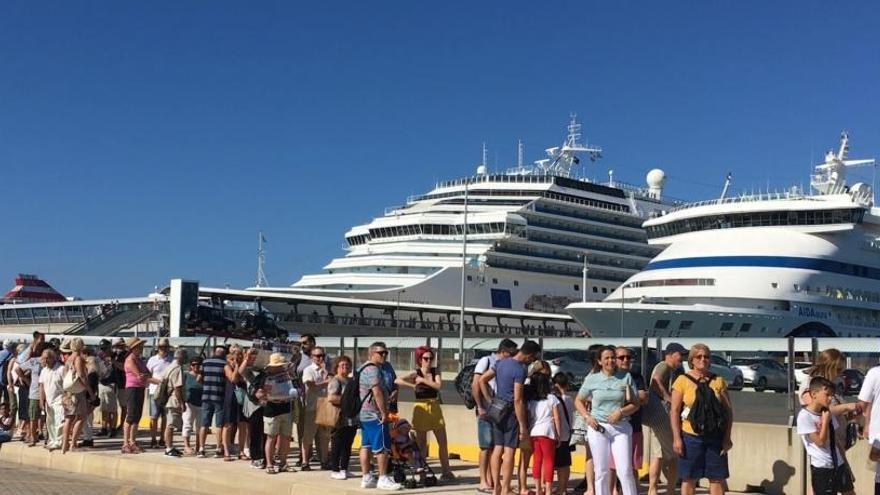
{"x": 701, "y": 455}
{"x": 427, "y": 416}
{"x": 76, "y": 405}
{"x": 830, "y": 365}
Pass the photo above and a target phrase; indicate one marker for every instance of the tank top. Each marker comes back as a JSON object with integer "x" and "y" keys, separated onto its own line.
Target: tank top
{"x": 132, "y": 380}
{"x": 424, "y": 392}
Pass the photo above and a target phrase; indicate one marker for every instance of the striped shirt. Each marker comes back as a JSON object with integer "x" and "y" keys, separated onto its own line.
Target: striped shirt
{"x": 214, "y": 382}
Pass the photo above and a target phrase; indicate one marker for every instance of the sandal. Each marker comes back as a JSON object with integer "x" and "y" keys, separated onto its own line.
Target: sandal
{"x": 218, "y": 455}
{"x": 126, "y": 449}
{"x": 272, "y": 470}
{"x": 228, "y": 458}
{"x": 285, "y": 468}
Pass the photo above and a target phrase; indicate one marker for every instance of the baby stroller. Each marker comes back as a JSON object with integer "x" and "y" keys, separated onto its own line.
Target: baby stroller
{"x": 406, "y": 460}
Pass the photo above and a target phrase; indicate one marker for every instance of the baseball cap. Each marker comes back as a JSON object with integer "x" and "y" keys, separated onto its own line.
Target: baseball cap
{"x": 675, "y": 347}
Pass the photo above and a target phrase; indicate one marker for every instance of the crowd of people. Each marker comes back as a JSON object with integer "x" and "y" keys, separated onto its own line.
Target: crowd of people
{"x": 677, "y": 420}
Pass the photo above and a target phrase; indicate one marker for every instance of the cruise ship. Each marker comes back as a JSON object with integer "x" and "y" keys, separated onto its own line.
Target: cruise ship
{"x": 534, "y": 238}
{"x": 765, "y": 265}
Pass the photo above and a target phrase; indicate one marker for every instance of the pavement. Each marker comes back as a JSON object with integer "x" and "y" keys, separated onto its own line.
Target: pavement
{"x": 103, "y": 469}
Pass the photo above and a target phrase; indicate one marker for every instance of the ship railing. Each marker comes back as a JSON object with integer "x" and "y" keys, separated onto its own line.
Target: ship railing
{"x": 750, "y": 198}
{"x": 642, "y": 193}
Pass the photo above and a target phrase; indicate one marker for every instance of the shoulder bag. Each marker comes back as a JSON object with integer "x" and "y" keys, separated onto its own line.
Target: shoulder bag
{"x": 71, "y": 382}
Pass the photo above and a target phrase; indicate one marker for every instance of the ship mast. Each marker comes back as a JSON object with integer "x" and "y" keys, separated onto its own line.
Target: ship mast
{"x": 261, "y": 260}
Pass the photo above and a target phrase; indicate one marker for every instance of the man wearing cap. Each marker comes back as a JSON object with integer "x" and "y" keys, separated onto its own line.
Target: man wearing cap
{"x": 656, "y": 418}
{"x": 157, "y": 365}
{"x": 176, "y": 404}
{"x": 106, "y": 388}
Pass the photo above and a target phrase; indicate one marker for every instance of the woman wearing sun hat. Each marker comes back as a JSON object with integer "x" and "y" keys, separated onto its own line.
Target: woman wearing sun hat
{"x": 277, "y": 394}
{"x": 137, "y": 377}
{"x": 76, "y": 405}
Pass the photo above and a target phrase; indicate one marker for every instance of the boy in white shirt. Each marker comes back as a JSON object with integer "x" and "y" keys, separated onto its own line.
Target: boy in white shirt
{"x": 830, "y": 472}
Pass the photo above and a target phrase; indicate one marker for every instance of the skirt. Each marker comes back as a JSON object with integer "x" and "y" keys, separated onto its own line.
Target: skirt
{"x": 427, "y": 415}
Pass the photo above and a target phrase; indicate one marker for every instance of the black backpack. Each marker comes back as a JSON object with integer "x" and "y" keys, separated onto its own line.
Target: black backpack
{"x": 708, "y": 417}
{"x": 463, "y": 382}
{"x": 351, "y": 402}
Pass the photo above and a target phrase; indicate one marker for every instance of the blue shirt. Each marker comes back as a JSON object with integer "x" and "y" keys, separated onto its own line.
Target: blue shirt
{"x": 608, "y": 393}
{"x": 508, "y": 372}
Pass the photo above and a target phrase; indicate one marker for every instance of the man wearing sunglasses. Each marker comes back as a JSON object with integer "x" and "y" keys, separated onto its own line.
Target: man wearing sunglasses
{"x": 375, "y": 432}
{"x": 315, "y": 378}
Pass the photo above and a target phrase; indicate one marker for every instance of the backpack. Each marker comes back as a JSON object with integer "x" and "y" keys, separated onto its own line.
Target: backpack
{"x": 707, "y": 416}
{"x": 463, "y": 382}
{"x": 350, "y": 403}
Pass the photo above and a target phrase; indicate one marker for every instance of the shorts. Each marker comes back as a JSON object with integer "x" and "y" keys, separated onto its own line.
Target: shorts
{"x": 23, "y": 413}
{"x": 211, "y": 409}
{"x": 484, "y": 434}
{"x": 174, "y": 418}
{"x": 154, "y": 408}
{"x": 702, "y": 459}
{"x": 825, "y": 481}
{"x": 660, "y": 442}
{"x": 134, "y": 404}
{"x": 375, "y": 436}
{"x": 192, "y": 419}
{"x": 278, "y": 425}
{"x": 427, "y": 415}
{"x": 33, "y": 409}
{"x": 563, "y": 456}
{"x": 506, "y": 434}
{"x": 107, "y": 394}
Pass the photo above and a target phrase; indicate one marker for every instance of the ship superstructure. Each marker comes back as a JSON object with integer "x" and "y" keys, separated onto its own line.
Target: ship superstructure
{"x": 774, "y": 264}
{"x": 527, "y": 233}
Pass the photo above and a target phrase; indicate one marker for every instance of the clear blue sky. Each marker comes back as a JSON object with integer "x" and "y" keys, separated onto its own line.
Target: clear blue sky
{"x": 141, "y": 141}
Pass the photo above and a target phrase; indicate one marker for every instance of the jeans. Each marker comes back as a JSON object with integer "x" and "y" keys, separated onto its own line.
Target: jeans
{"x": 617, "y": 442}
{"x": 340, "y": 447}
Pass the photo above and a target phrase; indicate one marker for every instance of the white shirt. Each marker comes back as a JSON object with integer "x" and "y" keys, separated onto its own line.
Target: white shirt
{"x": 52, "y": 382}
{"x": 869, "y": 393}
{"x": 541, "y": 417}
{"x": 312, "y": 373}
{"x": 820, "y": 455}
{"x": 483, "y": 365}
{"x": 157, "y": 366}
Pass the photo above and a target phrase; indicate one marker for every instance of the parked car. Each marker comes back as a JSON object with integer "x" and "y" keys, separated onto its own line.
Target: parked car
{"x": 719, "y": 366}
{"x": 850, "y": 382}
{"x": 763, "y": 374}
{"x": 576, "y": 369}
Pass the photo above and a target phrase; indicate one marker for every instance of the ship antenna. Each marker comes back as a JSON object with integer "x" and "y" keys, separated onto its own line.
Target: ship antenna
{"x": 261, "y": 260}
{"x": 485, "y": 154}
{"x": 519, "y": 154}
{"x": 726, "y": 187}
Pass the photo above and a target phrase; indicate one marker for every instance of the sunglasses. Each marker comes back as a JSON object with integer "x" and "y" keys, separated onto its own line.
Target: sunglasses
{"x": 427, "y": 358}
{"x": 624, "y": 358}
{"x": 318, "y": 355}
{"x": 381, "y": 353}
{"x": 701, "y": 357}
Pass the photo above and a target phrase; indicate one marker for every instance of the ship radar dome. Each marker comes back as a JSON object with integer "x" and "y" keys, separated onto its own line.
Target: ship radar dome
{"x": 656, "y": 178}
{"x": 481, "y": 170}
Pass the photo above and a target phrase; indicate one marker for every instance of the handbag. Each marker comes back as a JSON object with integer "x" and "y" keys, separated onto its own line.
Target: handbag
{"x": 326, "y": 414}
{"x": 71, "y": 382}
{"x": 852, "y": 434}
{"x": 498, "y": 410}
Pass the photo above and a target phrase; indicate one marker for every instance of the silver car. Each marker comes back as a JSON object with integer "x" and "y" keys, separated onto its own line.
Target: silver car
{"x": 763, "y": 374}
{"x": 719, "y": 366}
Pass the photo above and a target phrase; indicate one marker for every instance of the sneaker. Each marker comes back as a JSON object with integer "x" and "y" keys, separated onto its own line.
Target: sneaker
{"x": 338, "y": 475}
{"x": 87, "y": 443}
{"x": 201, "y": 454}
{"x": 173, "y": 452}
{"x": 386, "y": 483}
{"x": 261, "y": 464}
{"x": 368, "y": 481}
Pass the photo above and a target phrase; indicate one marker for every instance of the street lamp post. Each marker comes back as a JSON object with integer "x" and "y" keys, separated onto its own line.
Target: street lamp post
{"x": 584, "y": 281}
{"x": 463, "y": 275}
{"x": 622, "y": 301}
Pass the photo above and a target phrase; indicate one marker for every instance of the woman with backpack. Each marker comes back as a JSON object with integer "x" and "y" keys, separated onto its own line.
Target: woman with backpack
{"x": 701, "y": 418}
{"x": 346, "y": 429}
{"x": 427, "y": 414}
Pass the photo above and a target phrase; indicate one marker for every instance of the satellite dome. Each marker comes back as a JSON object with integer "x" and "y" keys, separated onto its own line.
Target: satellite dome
{"x": 656, "y": 178}
{"x": 481, "y": 170}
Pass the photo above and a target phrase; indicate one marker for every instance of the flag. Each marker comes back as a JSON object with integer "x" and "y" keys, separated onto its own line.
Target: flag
{"x": 263, "y": 238}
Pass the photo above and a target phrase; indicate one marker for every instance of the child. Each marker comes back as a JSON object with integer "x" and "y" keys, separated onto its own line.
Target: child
{"x": 406, "y": 445}
{"x": 815, "y": 424}
{"x": 5, "y": 423}
{"x": 562, "y": 459}
{"x": 544, "y": 423}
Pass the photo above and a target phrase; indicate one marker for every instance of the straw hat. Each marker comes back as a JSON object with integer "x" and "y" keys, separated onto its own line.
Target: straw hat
{"x": 65, "y": 347}
{"x": 133, "y": 342}
{"x": 277, "y": 359}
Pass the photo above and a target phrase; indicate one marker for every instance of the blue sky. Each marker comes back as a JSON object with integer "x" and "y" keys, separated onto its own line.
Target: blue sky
{"x": 141, "y": 141}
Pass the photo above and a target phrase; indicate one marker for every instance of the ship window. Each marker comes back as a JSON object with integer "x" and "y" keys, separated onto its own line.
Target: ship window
{"x": 516, "y": 283}
{"x": 470, "y": 278}
{"x": 745, "y": 327}
{"x": 685, "y": 325}
{"x": 494, "y": 280}
{"x": 726, "y": 327}
{"x": 661, "y": 324}
{"x": 604, "y": 290}
{"x": 577, "y": 287}
{"x": 774, "y": 285}
{"x": 595, "y": 289}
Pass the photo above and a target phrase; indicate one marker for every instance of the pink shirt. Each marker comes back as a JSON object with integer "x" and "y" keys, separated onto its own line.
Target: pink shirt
{"x": 133, "y": 379}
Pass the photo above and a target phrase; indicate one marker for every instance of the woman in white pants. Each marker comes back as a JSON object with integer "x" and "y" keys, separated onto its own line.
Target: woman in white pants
{"x": 612, "y": 395}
